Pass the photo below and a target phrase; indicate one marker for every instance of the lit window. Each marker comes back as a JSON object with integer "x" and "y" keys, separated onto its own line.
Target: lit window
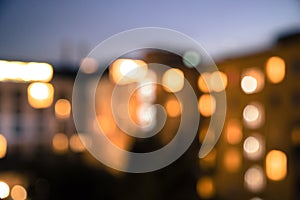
{"x": 275, "y": 69}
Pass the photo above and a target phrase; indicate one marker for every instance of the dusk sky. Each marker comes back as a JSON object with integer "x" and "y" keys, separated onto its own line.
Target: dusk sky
{"x": 38, "y": 30}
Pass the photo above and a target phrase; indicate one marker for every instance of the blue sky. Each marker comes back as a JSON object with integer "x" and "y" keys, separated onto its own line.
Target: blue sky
{"x": 38, "y": 30}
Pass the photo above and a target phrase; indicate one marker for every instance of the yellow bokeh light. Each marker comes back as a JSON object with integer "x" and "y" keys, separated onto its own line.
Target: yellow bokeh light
{"x": 125, "y": 71}
{"x": 203, "y": 82}
{"x": 18, "y": 192}
{"x": 252, "y": 81}
{"x": 275, "y": 69}
{"x": 60, "y": 143}
{"x": 205, "y": 187}
{"x": 173, "y": 80}
{"x": 4, "y": 190}
{"x": 62, "y": 108}
{"x": 76, "y": 144}
{"x": 276, "y": 165}
{"x": 207, "y": 105}
{"x": 255, "y": 179}
{"x": 40, "y": 95}
{"x": 3, "y": 146}
{"x": 173, "y": 107}
{"x": 218, "y": 81}
{"x": 25, "y": 72}
{"x": 234, "y": 132}
{"x": 232, "y": 160}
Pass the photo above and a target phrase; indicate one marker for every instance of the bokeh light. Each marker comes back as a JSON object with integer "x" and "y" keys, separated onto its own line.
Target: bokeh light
{"x": 4, "y": 190}
{"x": 295, "y": 135}
{"x": 173, "y": 107}
{"x": 76, "y": 145}
{"x": 232, "y": 160}
{"x": 253, "y": 81}
{"x": 125, "y": 71}
{"x": 275, "y": 69}
{"x": 147, "y": 89}
{"x": 253, "y": 115}
{"x": 254, "y": 178}
{"x": 17, "y": 71}
{"x": 173, "y": 80}
{"x": 18, "y": 192}
{"x": 88, "y": 65}
{"x": 40, "y": 95}
{"x": 276, "y": 165}
{"x": 3, "y": 146}
{"x": 256, "y": 198}
{"x": 233, "y": 131}
{"x": 253, "y": 147}
{"x": 146, "y": 114}
{"x": 203, "y": 82}
{"x": 62, "y": 108}
{"x": 205, "y": 187}
{"x": 191, "y": 59}
{"x": 218, "y": 81}
{"x": 249, "y": 84}
{"x": 60, "y": 143}
{"x": 207, "y": 105}
{"x": 209, "y": 161}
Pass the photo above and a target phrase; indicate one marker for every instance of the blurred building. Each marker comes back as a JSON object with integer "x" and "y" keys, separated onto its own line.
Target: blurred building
{"x": 256, "y": 156}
